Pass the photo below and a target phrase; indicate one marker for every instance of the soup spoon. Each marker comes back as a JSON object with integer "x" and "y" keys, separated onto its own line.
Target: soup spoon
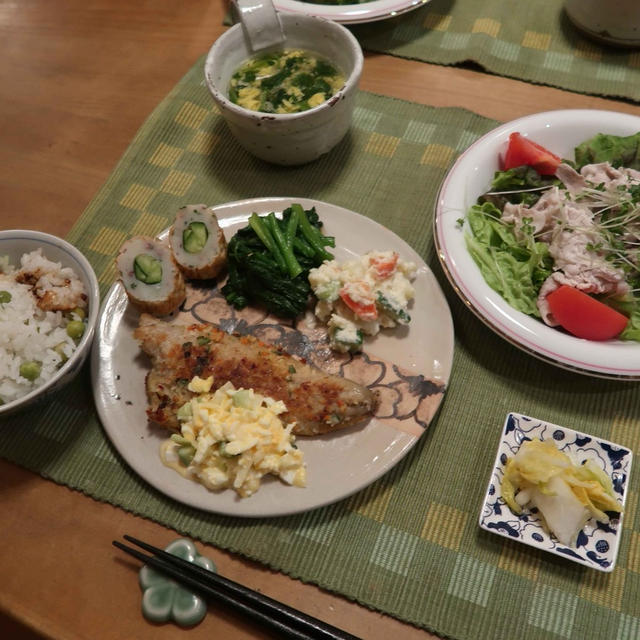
{"x": 260, "y": 23}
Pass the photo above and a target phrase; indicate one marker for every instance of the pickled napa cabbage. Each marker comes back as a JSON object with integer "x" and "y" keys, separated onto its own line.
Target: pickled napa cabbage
{"x": 566, "y": 494}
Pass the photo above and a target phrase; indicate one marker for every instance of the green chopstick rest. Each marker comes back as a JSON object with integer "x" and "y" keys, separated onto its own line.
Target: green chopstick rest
{"x": 163, "y": 599}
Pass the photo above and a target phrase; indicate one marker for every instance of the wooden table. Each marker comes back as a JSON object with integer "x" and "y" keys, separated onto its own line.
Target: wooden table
{"x": 79, "y": 77}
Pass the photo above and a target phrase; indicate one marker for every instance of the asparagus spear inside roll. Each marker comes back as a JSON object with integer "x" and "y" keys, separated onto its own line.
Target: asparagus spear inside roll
{"x": 150, "y": 275}
{"x": 197, "y": 242}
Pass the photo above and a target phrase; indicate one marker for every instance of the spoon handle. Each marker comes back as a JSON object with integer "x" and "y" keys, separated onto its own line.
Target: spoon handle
{"x": 260, "y": 23}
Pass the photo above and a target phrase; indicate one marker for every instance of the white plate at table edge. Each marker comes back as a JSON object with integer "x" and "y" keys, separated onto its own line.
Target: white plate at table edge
{"x": 352, "y": 13}
{"x": 338, "y": 464}
{"x": 560, "y": 131}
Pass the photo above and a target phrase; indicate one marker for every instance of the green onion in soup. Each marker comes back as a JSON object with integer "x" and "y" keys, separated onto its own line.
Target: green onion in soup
{"x": 287, "y": 81}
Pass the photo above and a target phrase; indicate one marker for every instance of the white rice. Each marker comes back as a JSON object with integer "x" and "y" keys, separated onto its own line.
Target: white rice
{"x": 27, "y": 333}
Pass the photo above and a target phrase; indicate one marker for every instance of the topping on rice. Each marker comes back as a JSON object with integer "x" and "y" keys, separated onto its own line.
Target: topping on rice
{"x": 55, "y": 287}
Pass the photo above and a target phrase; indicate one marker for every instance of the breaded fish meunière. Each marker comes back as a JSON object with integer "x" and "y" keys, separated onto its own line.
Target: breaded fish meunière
{"x": 316, "y": 401}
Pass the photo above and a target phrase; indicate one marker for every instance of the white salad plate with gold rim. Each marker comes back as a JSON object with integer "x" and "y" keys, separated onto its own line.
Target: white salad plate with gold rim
{"x": 471, "y": 175}
{"x": 355, "y": 13}
{"x": 408, "y": 367}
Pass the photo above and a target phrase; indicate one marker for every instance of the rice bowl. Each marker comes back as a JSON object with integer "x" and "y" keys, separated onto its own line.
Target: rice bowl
{"x": 35, "y": 341}
{"x": 47, "y": 320}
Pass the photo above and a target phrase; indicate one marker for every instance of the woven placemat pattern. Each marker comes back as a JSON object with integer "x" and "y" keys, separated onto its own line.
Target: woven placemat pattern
{"x": 531, "y": 41}
{"x": 409, "y": 544}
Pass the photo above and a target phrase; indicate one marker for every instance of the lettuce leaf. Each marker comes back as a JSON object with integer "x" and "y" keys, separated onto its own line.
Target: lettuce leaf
{"x": 620, "y": 151}
{"x": 518, "y": 179}
{"x": 632, "y": 330}
{"x": 631, "y": 308}
{"x": 514, "y": 269}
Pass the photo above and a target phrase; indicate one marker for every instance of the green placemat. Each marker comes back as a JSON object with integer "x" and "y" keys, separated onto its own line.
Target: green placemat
{"x": 532, "y": 41}
{"x": 408, "y": 545}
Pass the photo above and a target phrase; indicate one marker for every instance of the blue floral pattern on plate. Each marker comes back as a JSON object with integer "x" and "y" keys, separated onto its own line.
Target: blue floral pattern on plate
{"x": 597, "y": 543}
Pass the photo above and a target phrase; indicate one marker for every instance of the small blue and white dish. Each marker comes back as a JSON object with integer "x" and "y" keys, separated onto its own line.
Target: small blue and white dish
{"x": 597, "y": 544}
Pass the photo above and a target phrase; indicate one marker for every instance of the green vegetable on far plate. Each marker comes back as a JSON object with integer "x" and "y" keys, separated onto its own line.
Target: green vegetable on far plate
{"x": 514, "y": 268}
{"x": 619, "y": 151}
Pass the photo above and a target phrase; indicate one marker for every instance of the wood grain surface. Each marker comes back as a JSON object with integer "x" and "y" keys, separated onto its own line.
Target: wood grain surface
{"x": 79, "y": 77}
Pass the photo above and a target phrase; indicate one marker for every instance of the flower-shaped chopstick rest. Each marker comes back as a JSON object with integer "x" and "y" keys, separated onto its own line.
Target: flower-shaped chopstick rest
{"x": 163, "y": 599}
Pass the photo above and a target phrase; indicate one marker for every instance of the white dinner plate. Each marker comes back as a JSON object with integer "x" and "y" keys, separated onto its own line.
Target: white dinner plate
{"x": 351, "y": 13}
{"x": 560, "y": 132}
{"x": 409, "y": 367}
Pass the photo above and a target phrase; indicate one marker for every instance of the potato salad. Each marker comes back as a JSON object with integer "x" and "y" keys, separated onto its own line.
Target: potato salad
{"x": 362, "y": 295}
{"x": 232, "y": 438}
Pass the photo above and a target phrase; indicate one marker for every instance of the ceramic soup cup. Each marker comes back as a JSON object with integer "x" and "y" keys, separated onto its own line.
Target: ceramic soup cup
{"x": 291, "y": 138}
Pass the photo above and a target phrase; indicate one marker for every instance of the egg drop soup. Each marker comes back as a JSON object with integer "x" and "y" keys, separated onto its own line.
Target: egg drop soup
{"x": 287, "y": 81}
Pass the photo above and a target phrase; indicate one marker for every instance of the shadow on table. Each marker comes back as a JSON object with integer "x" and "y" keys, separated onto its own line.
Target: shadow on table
{"x": 531, "y": 384}
{"x": 38, "y": 437}
{"x": 413, "y": 25}
{"x": 266, "y": 179}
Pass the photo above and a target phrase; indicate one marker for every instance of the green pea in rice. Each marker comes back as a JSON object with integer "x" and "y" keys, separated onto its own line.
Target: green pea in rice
{"x": 28, "y": 333}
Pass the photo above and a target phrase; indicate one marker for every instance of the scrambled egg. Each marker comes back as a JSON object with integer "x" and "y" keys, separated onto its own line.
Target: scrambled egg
{"x": 250, "y": 98}
{"x": 232, "y": 438}
{"x": 287, "y": 81}
{"x": 362, "y": 295}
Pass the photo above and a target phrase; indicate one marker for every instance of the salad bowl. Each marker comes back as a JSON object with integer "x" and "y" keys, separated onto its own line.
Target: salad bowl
{"x": 560, "y": 132}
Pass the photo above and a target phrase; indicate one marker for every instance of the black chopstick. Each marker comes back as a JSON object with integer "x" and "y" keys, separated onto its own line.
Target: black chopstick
{"x": 286, "y": 621}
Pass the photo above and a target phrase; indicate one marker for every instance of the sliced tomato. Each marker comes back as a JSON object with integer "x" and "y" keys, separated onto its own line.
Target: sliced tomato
{"x": 384, "y": 266}
{"x": 584, "y": 316}
{"x": 356, "y": 298}
{"x": 521, "y": 151}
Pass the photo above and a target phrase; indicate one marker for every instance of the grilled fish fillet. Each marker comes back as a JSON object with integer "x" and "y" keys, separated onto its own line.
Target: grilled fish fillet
{"x": 316, "y": 401}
